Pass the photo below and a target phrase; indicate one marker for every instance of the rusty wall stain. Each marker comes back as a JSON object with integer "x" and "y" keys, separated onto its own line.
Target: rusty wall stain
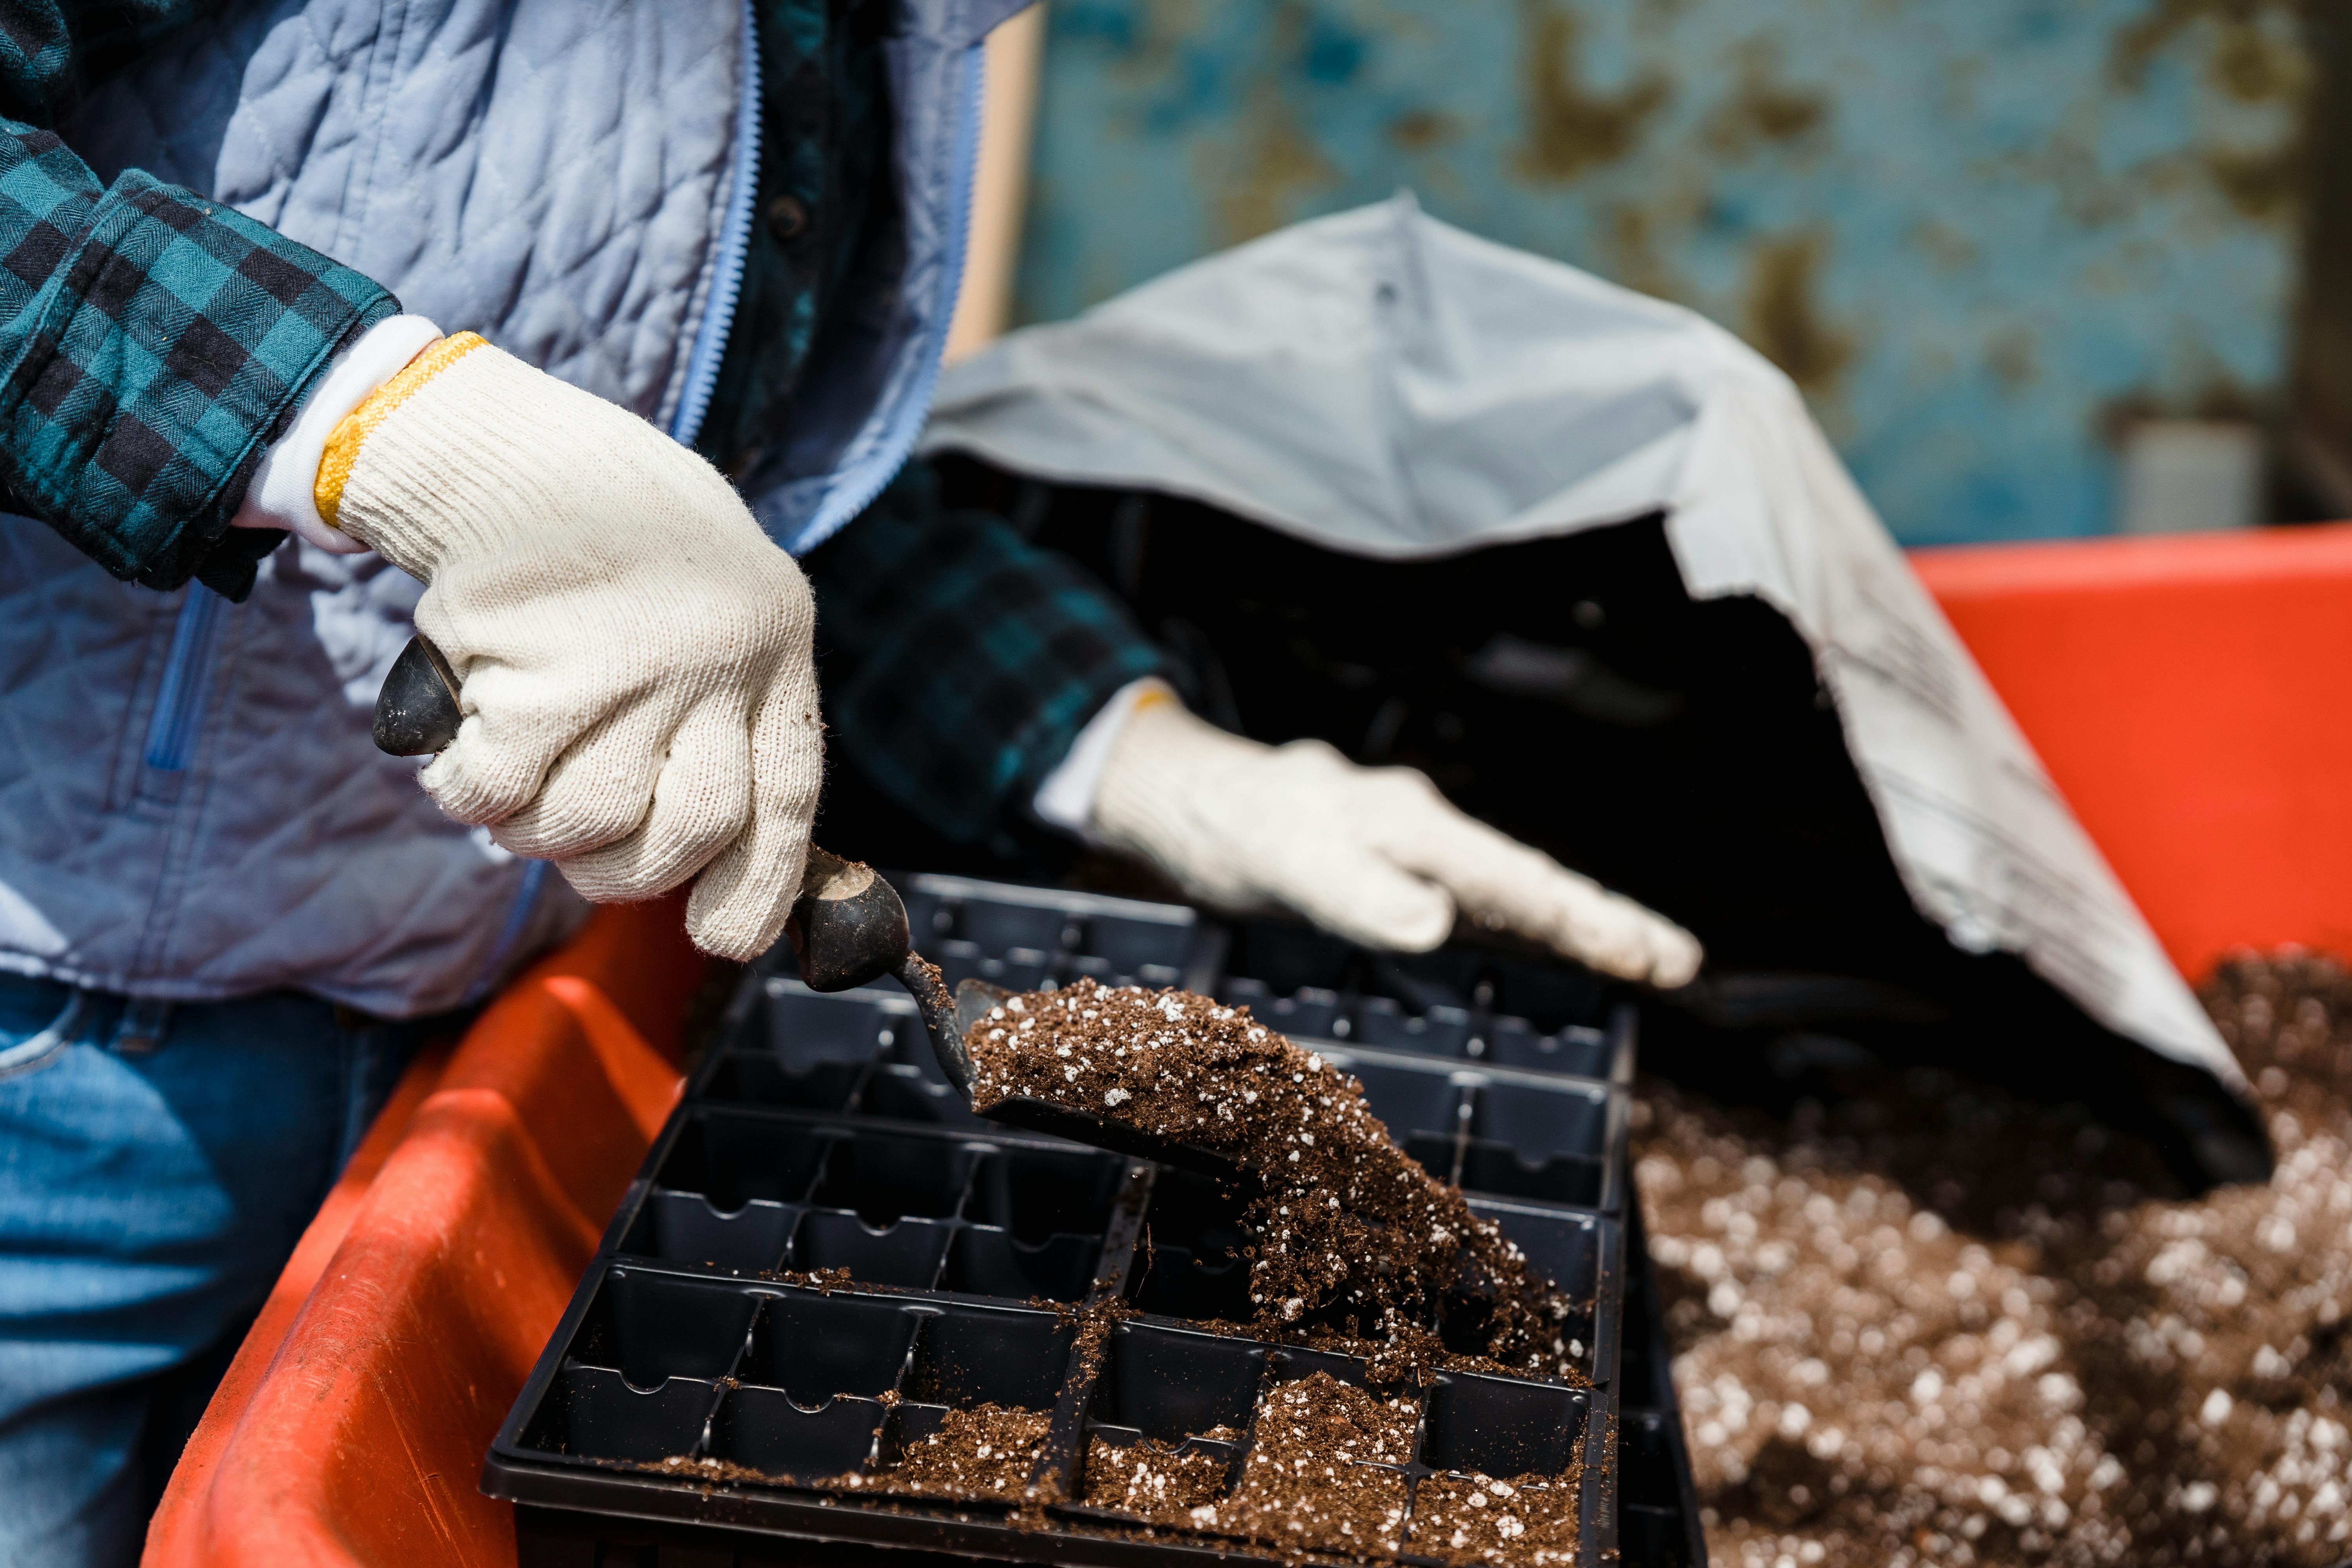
{"x": 1784, "y": 316}
{"x": 1963, "y": 229}
{"x": 1763, "y": 108}
{"x": 1571, "y": 128}
{"x": 2254, "y": 52}
{"x": 2255, "y": 57}
{"x": 1274, "y": 162}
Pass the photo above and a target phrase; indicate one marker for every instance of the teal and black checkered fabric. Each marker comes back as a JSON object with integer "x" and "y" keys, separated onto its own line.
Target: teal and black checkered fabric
{"x": 152, "y": 341}
{"x": 958, "y": 660}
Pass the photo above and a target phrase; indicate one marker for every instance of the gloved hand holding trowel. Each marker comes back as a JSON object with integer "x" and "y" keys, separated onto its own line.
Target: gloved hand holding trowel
{"x": 640, "y": 705}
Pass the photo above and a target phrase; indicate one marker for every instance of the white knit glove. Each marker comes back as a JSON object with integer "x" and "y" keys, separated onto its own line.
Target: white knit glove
{"x": 1375, "y": 855}
{"x": 633, "y": 653}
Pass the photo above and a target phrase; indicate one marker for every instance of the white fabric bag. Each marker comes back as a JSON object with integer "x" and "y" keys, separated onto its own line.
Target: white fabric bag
{"x": 1380, "y": 382}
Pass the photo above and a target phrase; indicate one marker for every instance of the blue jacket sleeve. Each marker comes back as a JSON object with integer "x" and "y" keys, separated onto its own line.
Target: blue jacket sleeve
{"x": 960, "y": 661}
{"x": 152, "y": 341}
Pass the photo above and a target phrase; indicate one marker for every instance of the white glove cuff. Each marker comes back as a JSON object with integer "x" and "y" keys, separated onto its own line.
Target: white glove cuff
{"x": 1066, "y": 799}
{"x": 283, "y": 493}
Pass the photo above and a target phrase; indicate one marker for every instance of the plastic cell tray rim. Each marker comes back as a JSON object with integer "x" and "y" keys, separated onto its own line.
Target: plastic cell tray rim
{"x": 1590, "y": 1235}
{"x": 615, "y": 1488}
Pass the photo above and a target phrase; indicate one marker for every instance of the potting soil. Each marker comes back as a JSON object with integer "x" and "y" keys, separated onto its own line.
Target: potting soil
{"x": 1352, "y": 1233}
{"x": 1930, "y": 1324}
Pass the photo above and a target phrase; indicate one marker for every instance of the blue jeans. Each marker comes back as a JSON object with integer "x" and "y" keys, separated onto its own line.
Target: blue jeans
{"x": 157, "y": 1164}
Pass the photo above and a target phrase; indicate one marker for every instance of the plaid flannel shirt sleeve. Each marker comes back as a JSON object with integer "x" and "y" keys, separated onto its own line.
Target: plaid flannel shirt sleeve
{"x": 152, "y": 341}
{"x": 958, "y": 661}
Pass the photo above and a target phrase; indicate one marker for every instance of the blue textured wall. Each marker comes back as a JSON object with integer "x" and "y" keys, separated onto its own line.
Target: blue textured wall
{"x": 1977, "y": 232}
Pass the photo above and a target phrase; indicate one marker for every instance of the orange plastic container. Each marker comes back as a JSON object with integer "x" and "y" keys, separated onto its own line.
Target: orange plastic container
{"x": 2185, "y": 694}
{"x": 351, "y": 1426}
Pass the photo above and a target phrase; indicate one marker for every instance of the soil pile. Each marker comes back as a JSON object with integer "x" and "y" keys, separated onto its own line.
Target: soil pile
{"x": 1352, "y": 1235}
{"x": 1930, "y": 1325}
{"x": 1153, "y": 1480}
{"x": 1312, "y": 1479}
{"x": 985, "y": 1452}
{"x": 1466, "y": 1520}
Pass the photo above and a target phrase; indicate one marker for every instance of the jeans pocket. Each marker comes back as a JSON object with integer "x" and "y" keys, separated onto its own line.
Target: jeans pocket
{"x": 25, "y": 1051}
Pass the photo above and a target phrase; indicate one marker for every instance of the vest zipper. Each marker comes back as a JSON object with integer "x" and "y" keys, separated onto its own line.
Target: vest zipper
{"x": 709, "y": 351}
{"x": 180, "y": 698}
{"x": 906, "y": 421}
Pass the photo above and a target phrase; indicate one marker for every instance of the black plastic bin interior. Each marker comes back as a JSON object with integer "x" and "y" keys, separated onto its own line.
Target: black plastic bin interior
{"x": 825, "y": 1252}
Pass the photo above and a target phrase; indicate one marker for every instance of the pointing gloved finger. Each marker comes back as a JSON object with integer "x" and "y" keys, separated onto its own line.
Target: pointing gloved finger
{"x": 701, "y": 802}
{"x": 1501, "y": 883}
{"x": 738, "y": 904}
{"x": 597, "y": 793}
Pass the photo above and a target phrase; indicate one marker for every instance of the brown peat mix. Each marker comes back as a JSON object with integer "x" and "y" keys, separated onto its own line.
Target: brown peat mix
{"x": 1314, "y": 1479}
{"x": 1933, "y": 1325}
{"x": 1353, "y": 1237}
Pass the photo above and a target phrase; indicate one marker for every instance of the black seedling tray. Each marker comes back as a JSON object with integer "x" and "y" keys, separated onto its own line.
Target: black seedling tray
{"x": 1021, "y": 938}
{"x": 825, "y": 1252}
{"x": 1657, "y": 1503}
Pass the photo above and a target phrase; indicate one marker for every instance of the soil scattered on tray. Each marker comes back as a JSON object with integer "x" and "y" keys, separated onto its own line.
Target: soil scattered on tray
{"x": 1311, "y": 1481}
{"x": 1350, "y": 1230}
{"x": 710, "y": 1470}
{"x": 987, "y": 1452}
{"x": 1527, "y": 1520}
{"x": 1152, "y": 1480}
{"x": 1936, "y": 1324}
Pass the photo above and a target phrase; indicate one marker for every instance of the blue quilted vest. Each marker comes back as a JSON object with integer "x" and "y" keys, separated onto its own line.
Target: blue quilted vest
{"x": 190, "y": 806}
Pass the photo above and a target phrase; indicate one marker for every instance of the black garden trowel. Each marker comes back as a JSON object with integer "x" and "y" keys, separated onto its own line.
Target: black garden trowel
{"x": 848, "y": 928}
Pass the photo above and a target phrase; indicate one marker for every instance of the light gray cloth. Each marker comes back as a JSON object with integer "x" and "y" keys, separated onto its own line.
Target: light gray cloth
{"x": 190, "y": 806}
{"x": 1380, "y": 382}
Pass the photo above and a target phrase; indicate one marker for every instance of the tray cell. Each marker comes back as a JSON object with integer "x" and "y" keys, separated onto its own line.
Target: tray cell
{"x": 1562, "y": 1245}
{"x": 731, "y": 1160}
{"x": 1190, "y": 1264}
{"x": 1496, "y": 1168}
{"x": 1016, "y": 969}
{"x": 1551, "y": 997}
{"x": 896, "y": 1092}
{"x": 1038, "y": 1194}
{"x": 1146, "y": 952}
{"x": 814, "y": 1345}
{"x": 764, "y": 1430}
{"x": 884, "y": 1177}
{"x": 802, "y": 1028}
{"x": 752, "y": 1077}
{"x": 969, "y": 1356}
{"x": 682, "y": 1227}
{"x": 987, "y": 1261}
{"x": 1576, "y": 1050}
{"x": 1171, "y": 1383}
{"x": 1541, "y": 1116}
{"x": 1439, "y": 1032}
{"x": 592, "y": 1413}
{"x": 1415, "y": 1099}
{"x": 1310, "y": 1013}
{"x": 652, "y": 1327}
{"x": 905, "y": 1252}
{"x": 996, "y": 926}
{"x": 1501, "y": 1427}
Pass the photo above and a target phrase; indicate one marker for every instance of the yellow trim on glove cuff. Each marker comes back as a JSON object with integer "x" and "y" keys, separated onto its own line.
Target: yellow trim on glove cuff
{"x": 344, "y": 445}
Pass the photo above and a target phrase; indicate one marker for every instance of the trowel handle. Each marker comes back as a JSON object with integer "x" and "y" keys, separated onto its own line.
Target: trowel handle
{"x": 416, "y": 712}
{"x": 847, "y": 926}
